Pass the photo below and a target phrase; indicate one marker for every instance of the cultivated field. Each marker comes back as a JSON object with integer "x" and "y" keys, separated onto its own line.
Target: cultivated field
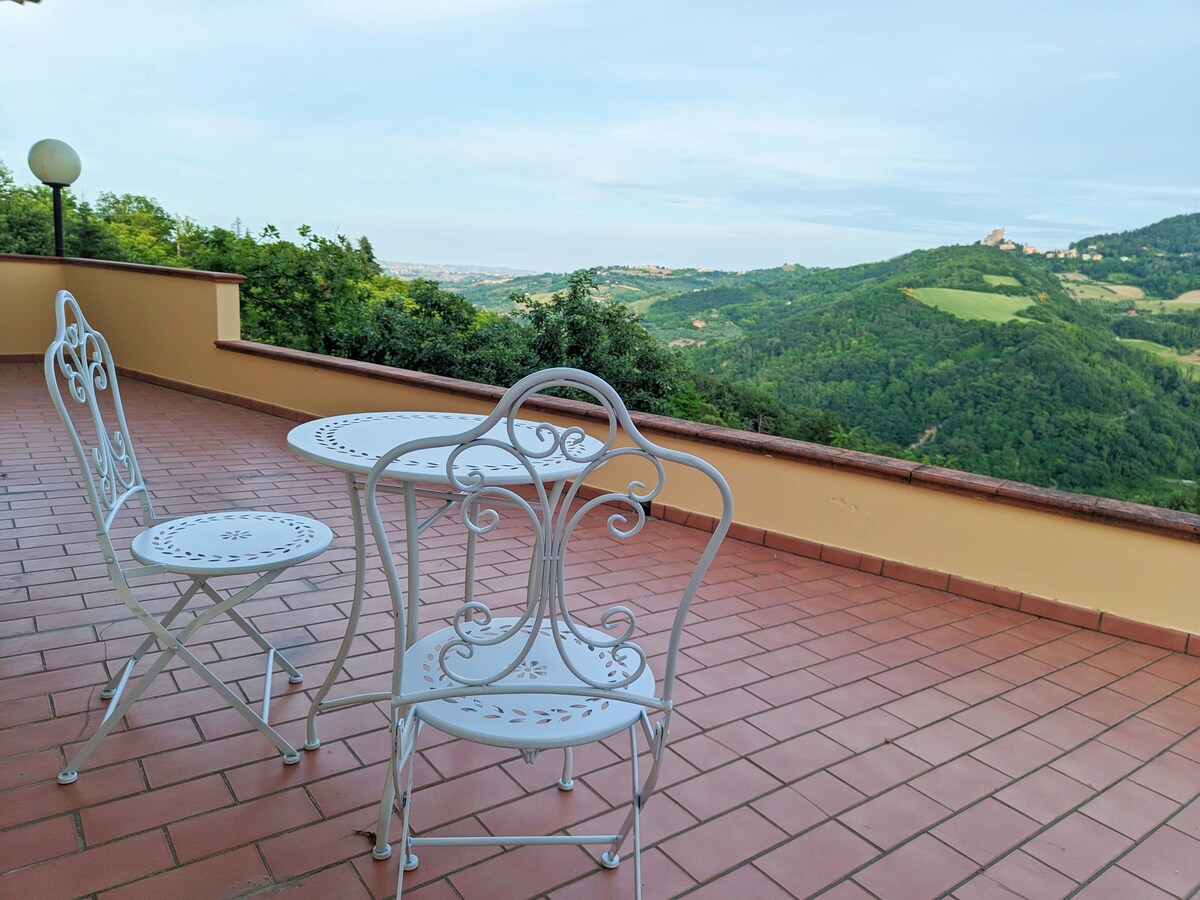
{"x": 996, "y": 280}
{"x": 974, "y": 304}
{"x": 1157, "y": 307}
{"x": 1081, "y": 287}
{"x": 1091, "y": 290}
{"x": 1131, "y": 292}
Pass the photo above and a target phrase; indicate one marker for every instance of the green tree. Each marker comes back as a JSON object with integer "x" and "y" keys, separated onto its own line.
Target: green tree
{"x": 367, "y": 252}
{"x": 26, "y": 221}
{"x": 143, "y": 230}
{"x": 574, "y": 328}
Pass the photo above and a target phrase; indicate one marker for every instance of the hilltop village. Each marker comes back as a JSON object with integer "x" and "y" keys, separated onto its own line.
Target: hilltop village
{"x": 998, "y": 240}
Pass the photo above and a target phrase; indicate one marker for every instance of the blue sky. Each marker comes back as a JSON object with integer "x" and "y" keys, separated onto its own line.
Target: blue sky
{"x": 559, "y": 134}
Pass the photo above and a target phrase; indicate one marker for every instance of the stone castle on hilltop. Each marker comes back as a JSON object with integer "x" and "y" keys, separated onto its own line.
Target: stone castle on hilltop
{"x": 997, "y": 239}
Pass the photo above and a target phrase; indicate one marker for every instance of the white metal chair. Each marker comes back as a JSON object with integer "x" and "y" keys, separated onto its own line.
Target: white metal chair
{"x": 541, "y": 679}
{"x": 201, "y": 547}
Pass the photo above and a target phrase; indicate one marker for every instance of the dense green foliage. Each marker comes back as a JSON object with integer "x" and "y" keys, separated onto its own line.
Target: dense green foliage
{"x": 1056, "y": 401}
{"x": 27, "y": 224}
{"x": 327, "y": 295}
{"x": 1180, "y": 331}
{"x": 571, "y": 328}
{"x": 844, "y": 356}
{"x": 1173, "y": 236}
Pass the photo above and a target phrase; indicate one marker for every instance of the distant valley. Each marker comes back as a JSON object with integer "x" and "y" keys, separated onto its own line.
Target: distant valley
{"x": 453, "y": 274}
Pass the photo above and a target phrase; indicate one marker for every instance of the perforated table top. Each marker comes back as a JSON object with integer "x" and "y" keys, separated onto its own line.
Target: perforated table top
{"x": 354, "y": 443}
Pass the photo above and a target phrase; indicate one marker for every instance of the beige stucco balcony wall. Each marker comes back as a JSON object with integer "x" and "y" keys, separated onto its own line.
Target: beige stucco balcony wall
{"x": 1122, "y": 568}
{"x": 27, "y": 286}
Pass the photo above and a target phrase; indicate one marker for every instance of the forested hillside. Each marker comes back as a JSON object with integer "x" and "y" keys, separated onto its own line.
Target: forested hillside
{"x": 911, "y": 351}
{"x": 328, "y": 295}
{"x": 1072, "y": 373}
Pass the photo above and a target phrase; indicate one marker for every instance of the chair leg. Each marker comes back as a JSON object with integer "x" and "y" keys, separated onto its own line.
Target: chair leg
{"x": 405, "y": 730}
{"x": 112, "y": 689}
{"x": 180, "y": 639}
{"x": 114, "y": 714}
{"x": 294, "y": 676}
{"x": 611, "y": 858}
{"x": 290, "y": 755}
{"x": 408, "y": 859}
{"x": 639, "y": 798}
{"x": 567, "y": 782}
{"x": 383, "y": 824}
{"x": 175, "y": 644}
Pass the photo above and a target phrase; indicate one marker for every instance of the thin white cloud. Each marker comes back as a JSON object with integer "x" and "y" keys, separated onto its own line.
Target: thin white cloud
{"x": 703, "y": 157}
{"x": 568, "y": 130}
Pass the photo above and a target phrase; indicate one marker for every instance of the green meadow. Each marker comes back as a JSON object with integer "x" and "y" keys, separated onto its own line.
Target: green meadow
{"x": 974, "y": 304}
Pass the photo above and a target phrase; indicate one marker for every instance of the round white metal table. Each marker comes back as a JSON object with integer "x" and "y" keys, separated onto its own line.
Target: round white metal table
{"x": 354, "y": 443}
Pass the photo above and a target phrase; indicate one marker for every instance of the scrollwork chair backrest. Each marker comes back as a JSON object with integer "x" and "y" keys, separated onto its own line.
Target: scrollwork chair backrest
{"x": 79, "y": 359}
{"x": 616, "y": 474}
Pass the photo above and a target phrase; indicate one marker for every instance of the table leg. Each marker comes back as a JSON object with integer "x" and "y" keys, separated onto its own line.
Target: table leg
{"x": 360, "y": 568}
{"x": 413, "y": 534}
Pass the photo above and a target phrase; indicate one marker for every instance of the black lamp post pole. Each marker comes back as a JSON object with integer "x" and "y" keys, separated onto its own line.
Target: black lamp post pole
{"x": 56, "y": 165}
{"x": 58, "y": 219}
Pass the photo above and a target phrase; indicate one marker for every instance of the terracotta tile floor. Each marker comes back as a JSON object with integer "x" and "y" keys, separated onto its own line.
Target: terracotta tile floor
{"x": 837, "y": 732}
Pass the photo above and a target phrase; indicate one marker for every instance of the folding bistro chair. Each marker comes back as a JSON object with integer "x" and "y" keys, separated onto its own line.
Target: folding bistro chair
{"x": 201, "y": 547}
{"x": 540, "y": 678}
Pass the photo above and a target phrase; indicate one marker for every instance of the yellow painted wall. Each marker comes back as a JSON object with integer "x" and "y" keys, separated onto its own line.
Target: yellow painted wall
{"x": 161, "y": 324}
{"x": 164, "y": 322}
{"x": 1140, "y": 575}
{"x": 27, "y": 304}
{"x": 166, "y": 325}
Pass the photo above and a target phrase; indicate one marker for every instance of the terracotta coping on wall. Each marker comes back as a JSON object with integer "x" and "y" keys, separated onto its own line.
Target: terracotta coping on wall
{"x": 218, "y": 277}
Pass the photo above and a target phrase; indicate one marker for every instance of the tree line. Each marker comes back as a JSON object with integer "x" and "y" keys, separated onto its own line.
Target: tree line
{"x": 329, "y": 295}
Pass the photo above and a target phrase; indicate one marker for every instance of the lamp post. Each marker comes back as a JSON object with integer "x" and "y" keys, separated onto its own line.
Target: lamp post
{"x": 55, "y": 164}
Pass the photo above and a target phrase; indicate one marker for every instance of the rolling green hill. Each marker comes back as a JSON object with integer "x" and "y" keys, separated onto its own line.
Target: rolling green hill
{"x": 1051, "y": 397}
{"x": 1067, "y": 373}
{"x": 1075, "y": 373}
{"x": 1162, "y": 259}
